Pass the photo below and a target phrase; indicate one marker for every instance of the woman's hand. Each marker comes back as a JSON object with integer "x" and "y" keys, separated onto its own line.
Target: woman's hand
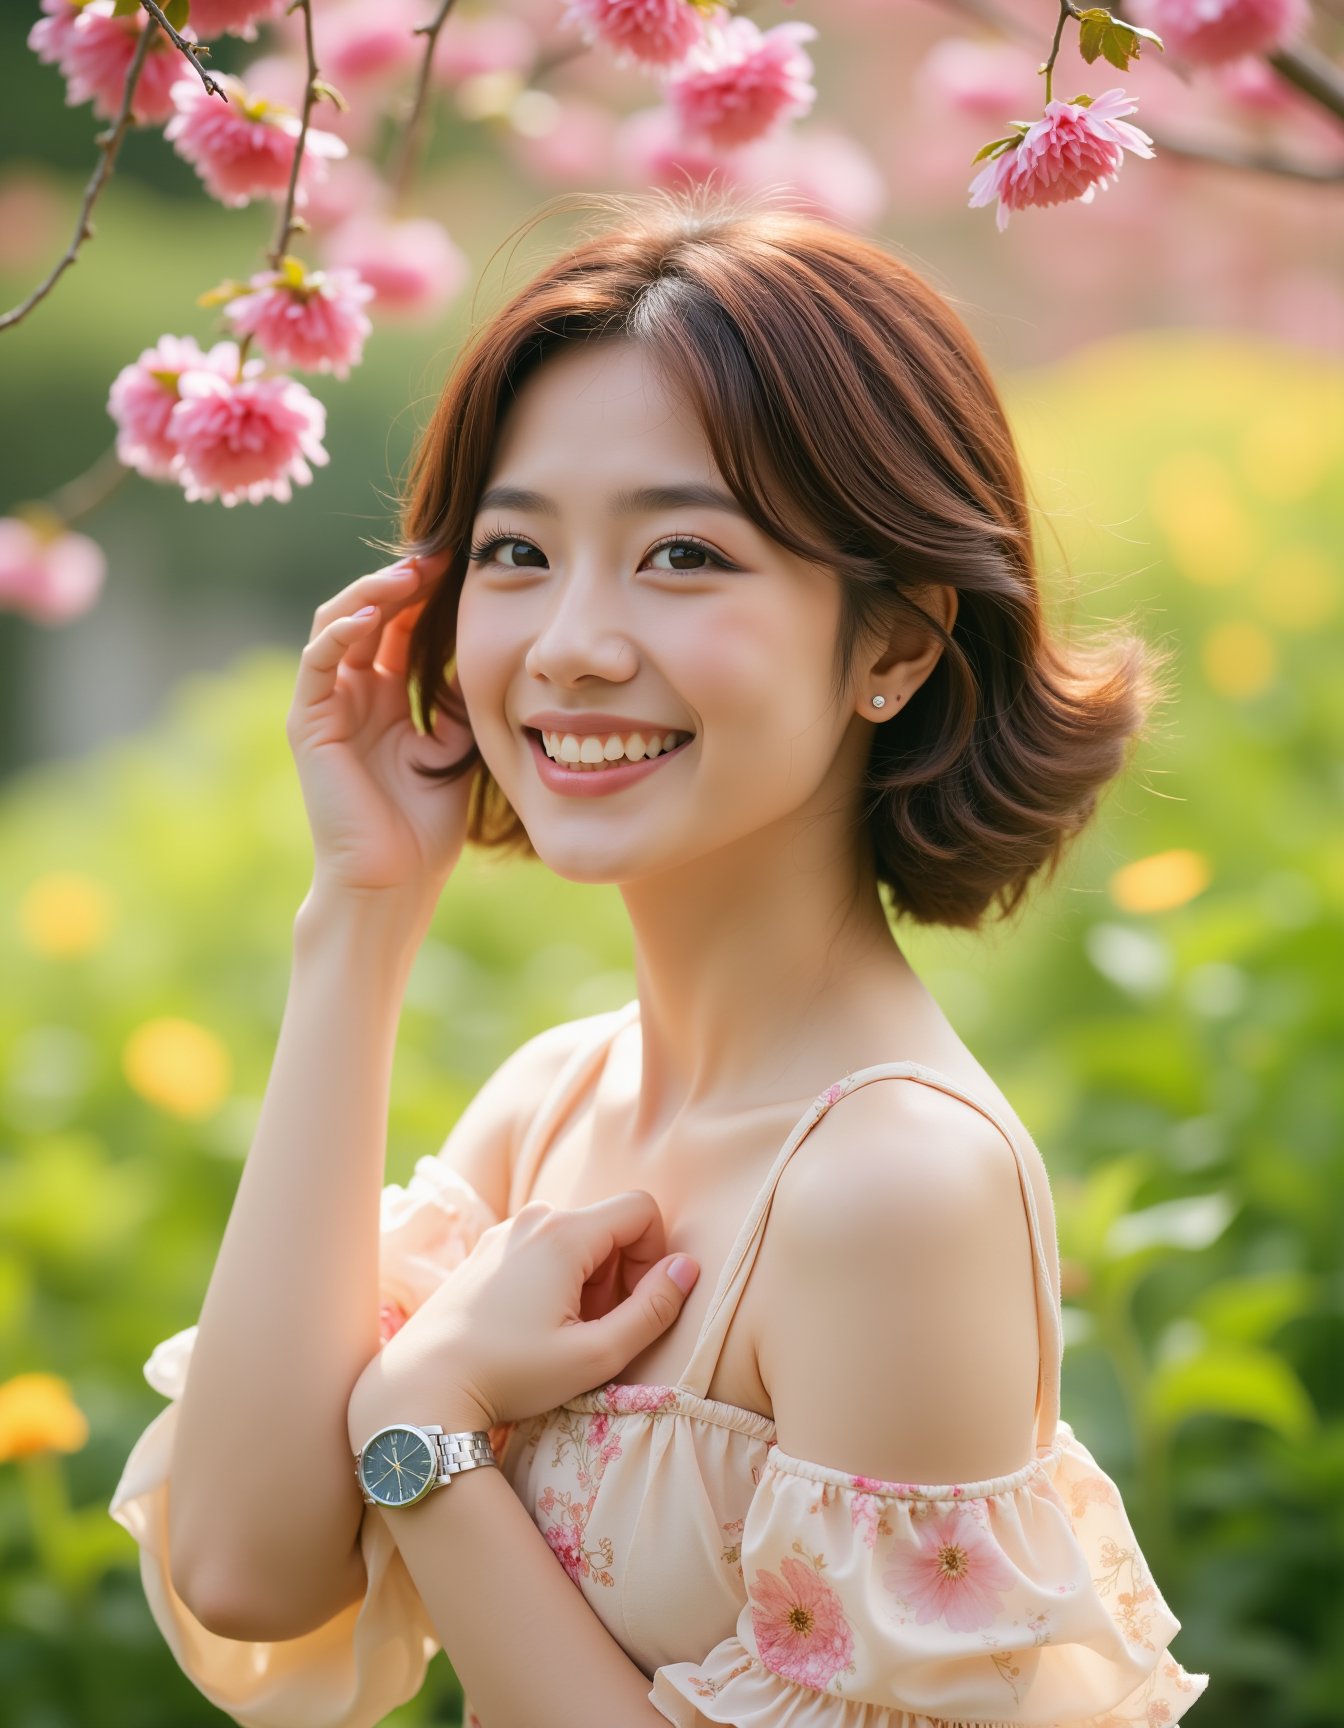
{"x": 376, "y": 823}
{"x": 548, "y": 1304}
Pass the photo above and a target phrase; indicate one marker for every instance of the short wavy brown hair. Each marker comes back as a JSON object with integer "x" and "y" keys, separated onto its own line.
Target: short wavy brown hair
{"x": 853, "y": 417}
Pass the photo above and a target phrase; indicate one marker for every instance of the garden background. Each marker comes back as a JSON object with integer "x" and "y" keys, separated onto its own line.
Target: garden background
{"x": 1167, "y": 1017}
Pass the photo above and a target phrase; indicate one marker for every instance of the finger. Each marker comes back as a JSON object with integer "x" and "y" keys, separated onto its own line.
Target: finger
{"x": 394, "y": 583}
{"x": 629, "y": 1222}
{"x": 646, "y": 1313}
{"x": 321, "y": 659}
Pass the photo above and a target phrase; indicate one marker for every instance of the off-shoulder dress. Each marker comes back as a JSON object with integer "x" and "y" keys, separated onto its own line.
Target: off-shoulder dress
{"x": 751, "y": 1586}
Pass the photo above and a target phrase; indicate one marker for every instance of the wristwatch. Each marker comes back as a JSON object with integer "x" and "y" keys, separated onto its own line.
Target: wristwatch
{"x": 402, "y": 1463}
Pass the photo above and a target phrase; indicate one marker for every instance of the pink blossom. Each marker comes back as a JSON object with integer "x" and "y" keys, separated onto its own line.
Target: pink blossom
{"x": 49, "y": 36}
{"x": 311, "y": 319}
{"x": 48, "y": 572}
{"x": 363, "y": 44}
{"x": 246, "y": 439}
{"x": 244, "y": 148}
{"x": 624, "y": 1400}
{"x": 739, "y": 81}
{"x": 144, "y": 394}
{"x": 956, "y": 1572}
{"x": 567, "y": 142}
{"x": 94, "y": 50}
{"x": 985, "y": 78}
{"x": 1207, "y": 32}
{"x": 644, "y": 33}
{"x": 489, "y": 42}
{"x": 828, "y": 172}
{"x": 801, "y": 1630}
{"x": 415, "y": 268}
{"x": 1066, "y": 154}
{"x": 649, "y": 147}
{"x": 566, "y": 1541}
{"x": 234, "y": 17}
{"x": 1253, "y": 83}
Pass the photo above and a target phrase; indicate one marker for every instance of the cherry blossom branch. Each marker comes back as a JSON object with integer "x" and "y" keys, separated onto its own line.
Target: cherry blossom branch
{"x": 413, "y": 139}
{"x": 289, "y": 223}
{"x": 109, "y": 143}
{"x": 190, "y": 49}
{"x": 1067, "y": 10}
{"x": 1305, "y": 68}
{"x": 1217, "y": 155}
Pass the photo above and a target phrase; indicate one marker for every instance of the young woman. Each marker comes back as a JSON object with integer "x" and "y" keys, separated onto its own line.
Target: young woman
{"x": 720, "y": 589}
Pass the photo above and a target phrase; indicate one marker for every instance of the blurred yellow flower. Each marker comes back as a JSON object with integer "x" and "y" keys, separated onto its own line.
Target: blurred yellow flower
{"x": 65, "y": 913}
{"x": 1297, "y": 588}
{"x": 179, "y": 1066}
{"x": 1195, "y": 504}
{"x": 1239, "y": 659}
{"x": 1288, "y": 450}
{"x": 37, "y": 1414}
{"x": 1158, "y": 883}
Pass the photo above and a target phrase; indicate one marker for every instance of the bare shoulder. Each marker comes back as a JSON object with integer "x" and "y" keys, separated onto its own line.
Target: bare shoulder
{"x": 900, "y": 1334}
{"x": 484, "y": 1141}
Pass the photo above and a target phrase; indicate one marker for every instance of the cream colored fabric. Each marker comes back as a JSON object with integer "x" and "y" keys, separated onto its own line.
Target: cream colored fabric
{"x": 751, "y": 1587}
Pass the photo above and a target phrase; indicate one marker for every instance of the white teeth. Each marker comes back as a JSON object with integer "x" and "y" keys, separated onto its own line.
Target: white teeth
{"x": 592, "y": 751}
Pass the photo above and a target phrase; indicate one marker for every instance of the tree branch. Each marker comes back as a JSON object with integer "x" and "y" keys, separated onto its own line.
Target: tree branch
{"x": 413, "y": 140}
{"x": 289, "y": 223}
{"x": 190, "y": 49}
{"x": 109, "y": 143}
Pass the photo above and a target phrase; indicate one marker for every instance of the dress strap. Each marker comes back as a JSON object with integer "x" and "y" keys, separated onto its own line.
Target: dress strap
{"x": 575, "y": 1073}
{"x": 732, "y": 1280}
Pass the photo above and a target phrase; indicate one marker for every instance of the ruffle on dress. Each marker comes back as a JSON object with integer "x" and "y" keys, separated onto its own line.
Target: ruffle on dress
{"x": 354, "y": 1669}
{"x": 1021, "y": 1601}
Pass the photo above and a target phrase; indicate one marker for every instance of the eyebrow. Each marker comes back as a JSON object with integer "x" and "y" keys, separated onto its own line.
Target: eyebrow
{"x": 636, "y": 501}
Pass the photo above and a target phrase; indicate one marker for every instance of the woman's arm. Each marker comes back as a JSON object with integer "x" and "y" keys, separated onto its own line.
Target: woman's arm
{"x": 487, "y": 1575}
{"x": 265, "y": 1511}
{"x": 264, "y": 1507}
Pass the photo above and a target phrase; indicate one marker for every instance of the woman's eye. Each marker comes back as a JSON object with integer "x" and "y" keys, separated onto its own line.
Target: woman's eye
{"x": 681, "y": 549}
{"x": 687, "y": 557}
{"x": 489, "y": 552}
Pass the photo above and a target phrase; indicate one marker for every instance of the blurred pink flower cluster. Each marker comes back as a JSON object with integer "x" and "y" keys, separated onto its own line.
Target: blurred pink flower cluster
{"x": 48, "y": 572}
{"x": 215, "y": 423}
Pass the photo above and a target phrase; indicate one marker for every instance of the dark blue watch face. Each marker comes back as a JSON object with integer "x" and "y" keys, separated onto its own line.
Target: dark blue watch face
{"x": 397, "y": 1466}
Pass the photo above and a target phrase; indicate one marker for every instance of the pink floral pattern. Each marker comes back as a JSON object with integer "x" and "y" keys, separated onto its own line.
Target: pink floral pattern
{"x": 956, "y": 1573}
{"x": 800, "y": 1626}
{"x": 562, "y": 1515}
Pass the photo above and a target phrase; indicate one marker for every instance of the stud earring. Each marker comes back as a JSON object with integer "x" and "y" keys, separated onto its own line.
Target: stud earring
{"x": 879, "y": 701}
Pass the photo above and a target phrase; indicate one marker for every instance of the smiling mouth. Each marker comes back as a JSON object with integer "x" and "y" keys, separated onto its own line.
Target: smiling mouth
{"x": 621, "y": 761}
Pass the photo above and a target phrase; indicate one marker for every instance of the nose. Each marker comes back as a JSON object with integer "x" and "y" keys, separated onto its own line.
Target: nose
{"x": 584, "y": 635}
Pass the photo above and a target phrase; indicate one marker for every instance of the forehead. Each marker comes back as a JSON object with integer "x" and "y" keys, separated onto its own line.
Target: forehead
{"x": 599, "y": 405}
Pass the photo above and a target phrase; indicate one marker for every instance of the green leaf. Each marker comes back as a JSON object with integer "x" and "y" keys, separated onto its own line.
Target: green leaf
{"x": 996, "y": 147}
{"x": 1091, "y": 35}
{"x": 322, "y": 89}
{"x": 1255, "y": 1385}
{"x": 176, "y": 12}
{"x": 1250, "y": 1309}
{"x": 125, "y": 8}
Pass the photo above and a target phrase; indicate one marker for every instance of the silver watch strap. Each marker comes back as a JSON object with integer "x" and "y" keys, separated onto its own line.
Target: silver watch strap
{"x": 468, "y": 1450}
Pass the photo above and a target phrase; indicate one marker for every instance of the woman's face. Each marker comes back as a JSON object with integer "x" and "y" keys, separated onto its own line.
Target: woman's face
{"x": 659, "y": 615}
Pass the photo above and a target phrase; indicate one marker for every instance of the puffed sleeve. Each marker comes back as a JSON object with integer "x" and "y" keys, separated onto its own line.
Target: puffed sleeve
{"x": 371, "y": 1657}
{"x": 1017, "y": 1602}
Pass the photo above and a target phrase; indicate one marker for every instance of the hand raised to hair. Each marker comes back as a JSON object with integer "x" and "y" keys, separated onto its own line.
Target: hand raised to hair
{"x": 377, "y": 825}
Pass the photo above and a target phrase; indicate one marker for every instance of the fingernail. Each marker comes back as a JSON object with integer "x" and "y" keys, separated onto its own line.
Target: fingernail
{"x": 366, "y": 611}
{"x": 683, "y": 1272}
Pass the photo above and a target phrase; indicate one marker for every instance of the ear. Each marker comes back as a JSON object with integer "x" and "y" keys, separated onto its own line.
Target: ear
{"x": 911, "y": 652}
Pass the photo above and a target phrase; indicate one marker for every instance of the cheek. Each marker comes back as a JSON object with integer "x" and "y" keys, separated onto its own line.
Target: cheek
{"x": 484, "y": 656}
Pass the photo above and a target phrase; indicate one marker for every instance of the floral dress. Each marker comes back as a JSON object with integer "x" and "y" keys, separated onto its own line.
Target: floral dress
{"x": 751, "y": 1586}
